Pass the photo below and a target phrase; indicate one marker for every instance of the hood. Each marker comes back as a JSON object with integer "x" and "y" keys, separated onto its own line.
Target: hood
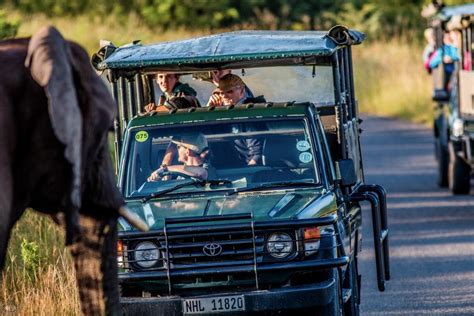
{"x": 264, "y": 206}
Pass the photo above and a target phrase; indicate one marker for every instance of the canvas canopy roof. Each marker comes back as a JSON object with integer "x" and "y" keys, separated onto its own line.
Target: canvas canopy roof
{"x": 229, "y": 50}
{"x": 461, "y": 10}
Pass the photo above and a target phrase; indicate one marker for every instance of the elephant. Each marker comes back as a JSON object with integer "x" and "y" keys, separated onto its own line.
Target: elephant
{"x": 55, "y": 114}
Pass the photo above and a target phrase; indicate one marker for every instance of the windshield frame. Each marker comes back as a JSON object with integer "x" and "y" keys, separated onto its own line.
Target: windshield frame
{"x": 124, "y": 172}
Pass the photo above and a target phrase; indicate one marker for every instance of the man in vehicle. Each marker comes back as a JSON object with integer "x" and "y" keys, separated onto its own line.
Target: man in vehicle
{"x": 192, "y": 150}
{"x": 216, "y": 76}
{"x": 171, "y": 87}
{"x": 231, "y": 90}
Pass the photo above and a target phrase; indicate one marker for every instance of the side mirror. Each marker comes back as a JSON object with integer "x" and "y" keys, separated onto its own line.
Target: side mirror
{"x": 440, "y": 95}
{"x": 345, "y": 172}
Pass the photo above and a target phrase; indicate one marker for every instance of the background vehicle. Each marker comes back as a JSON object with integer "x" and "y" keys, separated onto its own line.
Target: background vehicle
{"x": 279, "y": 236}
{"x": 454, "y": 122}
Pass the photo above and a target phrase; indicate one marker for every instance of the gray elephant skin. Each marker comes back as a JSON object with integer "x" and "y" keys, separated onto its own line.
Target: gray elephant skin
{"x": 55, "y": 113}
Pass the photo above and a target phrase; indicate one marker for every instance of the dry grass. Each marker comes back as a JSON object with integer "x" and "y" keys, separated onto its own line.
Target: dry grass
{"x": 39, "y": 277}
{"x": 87, "y": 31}
{"x": 391, "y": 81}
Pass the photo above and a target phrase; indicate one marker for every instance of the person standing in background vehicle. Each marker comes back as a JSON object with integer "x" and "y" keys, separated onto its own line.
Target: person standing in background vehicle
{"x": 448, "y": 55}
{"x": 171, "y": 87}
{"x": 429, "y": 49}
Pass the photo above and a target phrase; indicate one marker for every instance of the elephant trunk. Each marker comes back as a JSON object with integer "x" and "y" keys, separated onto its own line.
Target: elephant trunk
{"x": 133, "y": 219}
{"x": 95, "y": 260}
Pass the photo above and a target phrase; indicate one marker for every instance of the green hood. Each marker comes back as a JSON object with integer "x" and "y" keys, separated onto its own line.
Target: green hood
{"x": 264, "y": 206}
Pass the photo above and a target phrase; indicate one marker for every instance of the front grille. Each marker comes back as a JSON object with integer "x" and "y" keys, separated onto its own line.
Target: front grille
{"x": 210, "y": 255}
{"x": 216, "y": 249}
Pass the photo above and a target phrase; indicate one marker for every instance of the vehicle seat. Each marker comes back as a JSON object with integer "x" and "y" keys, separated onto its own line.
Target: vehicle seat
{"x": 280, "y": 153}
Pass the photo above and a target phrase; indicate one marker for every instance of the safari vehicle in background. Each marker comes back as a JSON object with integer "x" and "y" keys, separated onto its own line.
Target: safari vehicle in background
{"x": 454, "y": 121}
{"x": 279, "y": 236}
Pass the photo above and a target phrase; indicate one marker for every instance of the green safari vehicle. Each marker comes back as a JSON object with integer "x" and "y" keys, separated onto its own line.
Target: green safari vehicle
{"x": 454, "y": 120}
{"x": 273, "y": 237}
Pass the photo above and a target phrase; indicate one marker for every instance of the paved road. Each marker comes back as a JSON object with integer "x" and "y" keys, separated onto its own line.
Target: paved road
{"x": 431, "y": 231}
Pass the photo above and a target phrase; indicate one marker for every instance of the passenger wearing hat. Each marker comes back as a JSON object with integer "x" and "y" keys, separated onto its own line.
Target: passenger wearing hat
{"x": 192, "y": 152}
{"x": 216, "y": 76}
{"x": 231, "y": 90}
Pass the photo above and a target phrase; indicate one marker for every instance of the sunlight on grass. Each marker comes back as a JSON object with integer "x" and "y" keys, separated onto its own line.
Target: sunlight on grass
{"x": 39, "y": 277}
{"x": 391, "y": 81}
{"x": 87, "y": 31}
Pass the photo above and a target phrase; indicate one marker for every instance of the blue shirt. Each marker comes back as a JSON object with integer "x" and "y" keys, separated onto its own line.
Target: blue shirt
{"x": 437, "y": 59}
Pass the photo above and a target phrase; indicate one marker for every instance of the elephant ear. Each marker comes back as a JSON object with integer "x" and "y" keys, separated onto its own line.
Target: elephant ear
{"x": 49, "y": 62}
{"x": 95, "y": 95}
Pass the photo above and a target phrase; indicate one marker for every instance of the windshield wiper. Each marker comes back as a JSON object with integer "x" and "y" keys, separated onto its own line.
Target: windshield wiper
{"x": 196, "y": 182}
{"x": 273, "y": 185}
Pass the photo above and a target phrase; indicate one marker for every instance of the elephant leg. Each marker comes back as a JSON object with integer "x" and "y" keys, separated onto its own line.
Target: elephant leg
{"x": 95, "y": 260}
{"x": 5, "y": 213}
{"x": 6, "y": 175}
{"x": 110, "y": 268}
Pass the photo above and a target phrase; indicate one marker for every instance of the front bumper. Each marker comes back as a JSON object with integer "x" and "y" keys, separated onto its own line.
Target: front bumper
{"x": 295, "y": 297}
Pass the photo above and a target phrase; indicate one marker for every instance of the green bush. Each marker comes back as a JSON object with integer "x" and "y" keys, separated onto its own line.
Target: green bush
{"x": 7, "y": 29}
{"x": 31, "y": 258}
{"x": 379, "y": 18}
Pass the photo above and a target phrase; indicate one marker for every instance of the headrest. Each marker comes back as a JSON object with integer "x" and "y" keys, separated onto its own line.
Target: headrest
{"x": 286, "y": 151}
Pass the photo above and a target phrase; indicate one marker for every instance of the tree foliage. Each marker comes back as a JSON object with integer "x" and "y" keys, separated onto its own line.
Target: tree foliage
{"x": 378, "y": 18}
{"x": 7, "y": 29}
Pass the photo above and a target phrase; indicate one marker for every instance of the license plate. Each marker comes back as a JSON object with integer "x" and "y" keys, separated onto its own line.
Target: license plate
{"x": 216, "y": 304}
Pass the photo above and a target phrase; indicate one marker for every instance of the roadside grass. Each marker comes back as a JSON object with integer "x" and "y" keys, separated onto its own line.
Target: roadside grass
{"x": 391, "y": 81}
{"x": 39, "y": 276}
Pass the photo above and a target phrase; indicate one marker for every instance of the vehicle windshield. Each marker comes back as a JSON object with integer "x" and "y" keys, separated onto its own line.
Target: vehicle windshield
{"x": 246, "y": 153}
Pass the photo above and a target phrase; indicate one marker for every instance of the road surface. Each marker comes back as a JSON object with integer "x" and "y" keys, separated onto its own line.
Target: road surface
{"x": 431, "y": 231}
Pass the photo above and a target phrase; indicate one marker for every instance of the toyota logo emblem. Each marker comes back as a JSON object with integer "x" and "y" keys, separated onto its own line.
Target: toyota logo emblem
{"x": 212, "y": 249}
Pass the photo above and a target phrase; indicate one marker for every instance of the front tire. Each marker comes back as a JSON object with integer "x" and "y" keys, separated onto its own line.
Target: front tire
{"x": 459, "y": 174}
{"x": 352, "y": 307}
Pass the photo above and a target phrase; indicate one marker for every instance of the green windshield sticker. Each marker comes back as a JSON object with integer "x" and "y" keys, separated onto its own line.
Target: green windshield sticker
{"x": 141, "y": 136}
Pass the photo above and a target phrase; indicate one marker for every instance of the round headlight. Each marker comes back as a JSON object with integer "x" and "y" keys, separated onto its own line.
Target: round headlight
{"x": 279, "y": 245}
{"x": 146, "y": 254}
